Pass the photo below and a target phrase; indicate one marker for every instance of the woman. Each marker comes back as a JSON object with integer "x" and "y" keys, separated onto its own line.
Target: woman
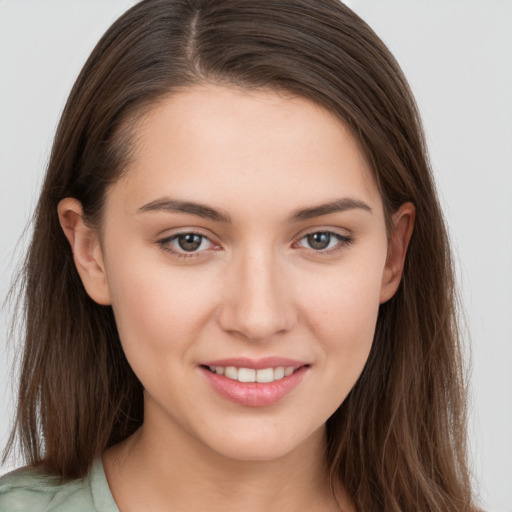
{"x": 239, "y": 289}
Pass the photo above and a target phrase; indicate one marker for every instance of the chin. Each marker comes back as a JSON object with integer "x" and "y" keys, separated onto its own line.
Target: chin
{"x": 262, "y": 445}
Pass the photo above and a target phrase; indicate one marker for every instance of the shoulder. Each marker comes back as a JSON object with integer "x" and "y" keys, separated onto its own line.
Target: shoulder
{"x": 31, "y": 490}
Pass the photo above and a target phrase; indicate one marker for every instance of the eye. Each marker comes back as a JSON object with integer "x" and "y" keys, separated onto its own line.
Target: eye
{"x": 324, "y": 241}
{"x": 190, "y": 242}
{"x": 186, "y": 244}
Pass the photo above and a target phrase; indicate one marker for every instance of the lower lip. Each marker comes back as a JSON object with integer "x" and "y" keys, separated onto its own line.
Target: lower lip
{"x": 254, "y": 394}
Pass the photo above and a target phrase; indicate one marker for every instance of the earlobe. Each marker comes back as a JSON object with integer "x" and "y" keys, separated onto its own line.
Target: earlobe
{"x": 403, "y": 225}
{"x": 86, "y": 248}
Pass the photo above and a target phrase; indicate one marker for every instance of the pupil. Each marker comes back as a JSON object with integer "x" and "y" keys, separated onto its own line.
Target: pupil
{"x": 319, "y": 240}
{"x": 190, "y": 241}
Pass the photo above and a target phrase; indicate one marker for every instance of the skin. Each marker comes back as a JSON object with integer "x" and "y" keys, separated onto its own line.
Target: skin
{"x": 255, "y": 288}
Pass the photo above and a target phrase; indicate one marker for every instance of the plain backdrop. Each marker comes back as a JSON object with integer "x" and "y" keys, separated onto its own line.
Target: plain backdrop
{"x": 457, "y": 56}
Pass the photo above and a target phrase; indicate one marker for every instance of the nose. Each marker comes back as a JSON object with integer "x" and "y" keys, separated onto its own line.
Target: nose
{"x": 258, "y": 301}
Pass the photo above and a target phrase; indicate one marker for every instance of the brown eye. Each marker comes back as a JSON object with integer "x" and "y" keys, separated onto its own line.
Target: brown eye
{"x": 324, "y": 241}
{"x": 186, "y": 244}
{"x": 189, "y": 242}
{"x": 319, "y": 241}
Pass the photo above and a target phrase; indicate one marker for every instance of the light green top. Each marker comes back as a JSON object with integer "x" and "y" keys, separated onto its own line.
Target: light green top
{"x": 28, "y": 490}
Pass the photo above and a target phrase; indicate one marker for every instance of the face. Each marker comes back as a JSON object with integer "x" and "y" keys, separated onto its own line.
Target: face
{"x": 245, "y": 255}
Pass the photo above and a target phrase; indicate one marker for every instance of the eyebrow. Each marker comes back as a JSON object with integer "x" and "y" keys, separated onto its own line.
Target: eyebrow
{"x": 336, "y": 206}
{"x": 177, "y": 206}
{"x": 207, "y": 212}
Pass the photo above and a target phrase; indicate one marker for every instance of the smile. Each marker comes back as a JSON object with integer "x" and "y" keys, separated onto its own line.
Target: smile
{"x": 254, "y": 383}
{"x": 263, "y": 375}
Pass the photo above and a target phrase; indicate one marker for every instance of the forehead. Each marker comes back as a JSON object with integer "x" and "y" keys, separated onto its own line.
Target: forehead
{"x": 256, "y": 143}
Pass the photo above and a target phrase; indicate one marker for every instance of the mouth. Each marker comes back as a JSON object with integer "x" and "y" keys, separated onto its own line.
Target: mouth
{"x": 254, "y": 383}
{"x": 261, "y": 375}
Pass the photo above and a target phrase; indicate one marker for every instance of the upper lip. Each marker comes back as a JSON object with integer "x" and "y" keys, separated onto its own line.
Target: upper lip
{"x": 256, "y": 364}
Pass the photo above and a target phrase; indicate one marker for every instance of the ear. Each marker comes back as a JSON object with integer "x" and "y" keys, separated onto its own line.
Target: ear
{"x": 402, "y": 227}
{"x": 87, "y": 252}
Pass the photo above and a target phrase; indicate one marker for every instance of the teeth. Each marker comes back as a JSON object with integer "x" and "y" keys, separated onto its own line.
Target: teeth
{"x": 263, "y": 375}
{"x": 231, "y": 372}
{"x": 246, "y": 375}
{"x": 278, "y": 373}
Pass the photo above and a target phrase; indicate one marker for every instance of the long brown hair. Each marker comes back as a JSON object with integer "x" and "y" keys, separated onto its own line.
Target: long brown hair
{"x": 398, "y": 442}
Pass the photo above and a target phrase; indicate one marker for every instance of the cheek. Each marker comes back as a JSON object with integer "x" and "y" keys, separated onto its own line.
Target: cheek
{"x": 159, "y": 310}
{"x": 346, "y": 295}
{"x": 342, "y": 314}
{"x": 347, "y": 323}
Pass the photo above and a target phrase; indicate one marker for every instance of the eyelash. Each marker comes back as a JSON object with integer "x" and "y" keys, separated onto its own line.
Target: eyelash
{"x": 343, "y": 241}
{"x": 165, "y": 245}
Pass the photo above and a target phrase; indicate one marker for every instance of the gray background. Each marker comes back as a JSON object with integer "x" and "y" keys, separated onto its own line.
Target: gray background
{"x": 458, "y": 58}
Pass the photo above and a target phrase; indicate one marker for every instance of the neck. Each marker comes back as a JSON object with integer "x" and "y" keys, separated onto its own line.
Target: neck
{"x": 181, "y": 473}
